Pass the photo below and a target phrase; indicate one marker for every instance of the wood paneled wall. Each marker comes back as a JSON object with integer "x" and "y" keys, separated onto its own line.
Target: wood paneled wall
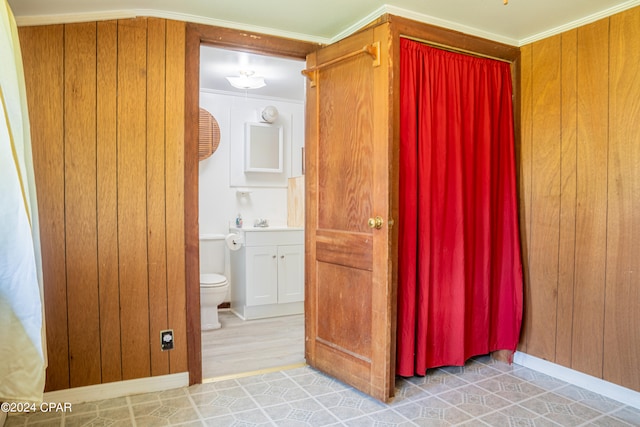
{"x": 580, "y": 193}
{"x": 106, "y": 103}
{"x": 107, "y": 122}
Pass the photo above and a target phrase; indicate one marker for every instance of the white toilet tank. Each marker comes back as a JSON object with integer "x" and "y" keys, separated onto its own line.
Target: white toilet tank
{"x": 212, "y": 254}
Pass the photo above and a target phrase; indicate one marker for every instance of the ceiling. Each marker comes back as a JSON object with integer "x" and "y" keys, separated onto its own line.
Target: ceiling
{"x": 326, "y": 21}
{"x": 282, "y": 76}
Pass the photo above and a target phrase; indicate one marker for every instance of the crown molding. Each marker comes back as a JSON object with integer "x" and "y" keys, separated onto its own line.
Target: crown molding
{"x": 70, "y": 18}
{"x": 359, "y": 24}
{"x": 579, "y": 22}
{"x": 427, "y": 19}
{"x": 32, "y": 20}
{"x": 196, "y": 19}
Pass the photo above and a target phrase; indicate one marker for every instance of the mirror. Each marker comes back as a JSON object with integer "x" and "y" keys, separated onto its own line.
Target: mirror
{"x": 263, "y": 148}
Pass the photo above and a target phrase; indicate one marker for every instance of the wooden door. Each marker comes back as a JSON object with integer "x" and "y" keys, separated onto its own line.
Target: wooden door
{"x": 350, "y": 296}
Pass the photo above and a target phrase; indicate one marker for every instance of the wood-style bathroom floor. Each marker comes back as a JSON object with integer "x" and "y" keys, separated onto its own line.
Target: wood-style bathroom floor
{"x": 250, "y": 345}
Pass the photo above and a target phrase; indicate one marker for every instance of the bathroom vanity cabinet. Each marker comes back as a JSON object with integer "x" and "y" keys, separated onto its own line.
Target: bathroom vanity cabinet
{"x": 267, "y": 273}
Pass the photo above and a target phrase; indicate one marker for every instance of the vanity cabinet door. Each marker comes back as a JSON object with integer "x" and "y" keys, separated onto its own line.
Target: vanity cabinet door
{"x": 262, "y": 275}
{"x": 290, "y": 273}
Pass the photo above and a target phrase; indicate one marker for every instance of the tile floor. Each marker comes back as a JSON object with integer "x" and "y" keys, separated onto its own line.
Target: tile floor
{"x": 482, "y": 393}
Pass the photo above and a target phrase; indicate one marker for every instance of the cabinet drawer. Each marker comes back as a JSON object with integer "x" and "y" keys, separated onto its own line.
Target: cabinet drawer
{"x": 279, "y": 237}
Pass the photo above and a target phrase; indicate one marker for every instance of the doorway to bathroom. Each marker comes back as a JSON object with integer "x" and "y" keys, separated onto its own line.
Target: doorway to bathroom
{"x": 253, "y": 335}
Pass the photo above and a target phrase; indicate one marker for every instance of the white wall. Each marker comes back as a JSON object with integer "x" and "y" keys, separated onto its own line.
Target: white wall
{"x": 219, "y": 202}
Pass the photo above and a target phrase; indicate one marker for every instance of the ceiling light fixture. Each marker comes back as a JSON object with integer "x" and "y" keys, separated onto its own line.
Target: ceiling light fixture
{"x": 246, "y": 80}
{"x": 506, "y": 2}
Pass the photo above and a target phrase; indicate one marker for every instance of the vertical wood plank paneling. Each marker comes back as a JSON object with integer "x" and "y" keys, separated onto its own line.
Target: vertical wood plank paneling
{"x": 156, "y": 220}
{"x": 80, "y": 204}
{"x": 585, "y": 119}
{"x": 106, "y": 126}
{"x": 524, "y": 182}
{"x": 545, "y": 197}
{"x": 591, "y": 193}
{"x": 43, "y": 55}
{"x": 132, "y": 198}
{"x": 102, "y": 119}
{"x": 566, "y": 261}
{"x": 175, "y": 113}
{"x": 622, "y": 314}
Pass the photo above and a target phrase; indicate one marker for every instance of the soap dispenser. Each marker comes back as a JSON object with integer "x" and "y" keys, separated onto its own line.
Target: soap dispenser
{"x": 239, "y": 221}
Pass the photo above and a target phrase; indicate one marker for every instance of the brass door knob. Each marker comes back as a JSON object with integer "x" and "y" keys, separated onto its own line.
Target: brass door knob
{"x": 375, "y": 222}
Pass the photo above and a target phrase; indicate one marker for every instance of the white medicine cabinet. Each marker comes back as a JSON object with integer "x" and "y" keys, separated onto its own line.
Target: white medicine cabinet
{"x": 264, "y": 148}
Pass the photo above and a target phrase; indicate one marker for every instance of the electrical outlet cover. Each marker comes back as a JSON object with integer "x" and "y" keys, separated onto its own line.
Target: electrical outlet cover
{"x": 166, "y": 339}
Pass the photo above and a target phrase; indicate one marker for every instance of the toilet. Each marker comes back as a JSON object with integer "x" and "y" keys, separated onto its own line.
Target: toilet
{"x": 214, "y": 286}
{"x": 213, "y": 289}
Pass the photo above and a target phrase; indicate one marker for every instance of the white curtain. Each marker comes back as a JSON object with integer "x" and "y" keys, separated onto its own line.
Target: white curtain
{"x": 22, "y": 355}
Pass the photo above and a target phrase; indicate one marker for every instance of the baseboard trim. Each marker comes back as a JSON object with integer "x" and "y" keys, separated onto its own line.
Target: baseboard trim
{"x": 588, "y": 382}
{"x": 118, "y": 389}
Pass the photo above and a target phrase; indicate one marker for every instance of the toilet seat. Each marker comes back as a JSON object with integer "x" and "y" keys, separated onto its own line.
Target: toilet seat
{"x": 212, "y": 280}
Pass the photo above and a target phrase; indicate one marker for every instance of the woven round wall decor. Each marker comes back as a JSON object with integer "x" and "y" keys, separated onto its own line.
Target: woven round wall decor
{"x": 209, "y": 135}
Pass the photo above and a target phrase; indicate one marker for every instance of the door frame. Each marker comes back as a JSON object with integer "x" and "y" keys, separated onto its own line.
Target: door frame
{"x": 197, "y": 35}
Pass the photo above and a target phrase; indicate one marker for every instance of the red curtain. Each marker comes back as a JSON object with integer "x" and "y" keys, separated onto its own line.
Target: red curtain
{"x": 460, "y": 272}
